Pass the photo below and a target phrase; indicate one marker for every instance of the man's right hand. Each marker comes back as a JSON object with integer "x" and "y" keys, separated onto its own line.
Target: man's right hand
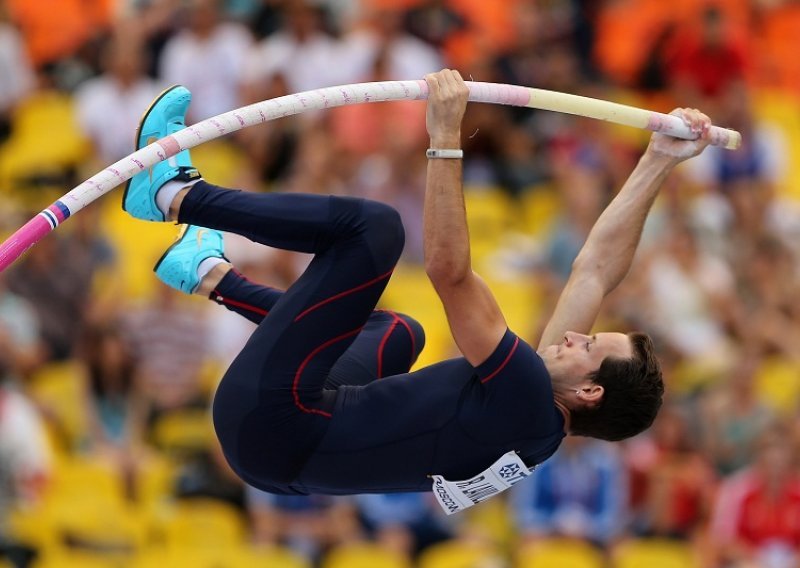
{"x": 678, "y": 149}
{"x": 447, "y": 102}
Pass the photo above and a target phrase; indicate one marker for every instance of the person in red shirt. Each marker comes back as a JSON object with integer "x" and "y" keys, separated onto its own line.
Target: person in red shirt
{"x": 757, "y": 515}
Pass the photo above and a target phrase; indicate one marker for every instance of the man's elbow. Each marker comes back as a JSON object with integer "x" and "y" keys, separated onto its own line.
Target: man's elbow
{"x": 444, "y": 272}
{"x": 591, "y": 273}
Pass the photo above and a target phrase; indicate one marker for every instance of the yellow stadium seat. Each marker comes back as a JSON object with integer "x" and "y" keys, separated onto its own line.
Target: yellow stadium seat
{"x": 59, "y": 388}
{"x": 222, "y": 557}
{"x": 563, "y": 553}
{"x": 33, "y": 526}
{"x": 778, "y": 384}
{"x": 154, "y": 480}
{"x": 654, "y": 553}
{"x": 458, "y": 554}
{"x": 541, "y": 207}
{"x": 199, "y": 523}
{"x": 409, "y": 291}
{"x": 780, "y": 110}
{"x": 492, "y": 521}
{"x": 88, "y": 477}
{"x": 46, "y": 142}
{"x": 364, "y": 555}
{"x": 85, "y": 559}
{"x": 267, "y": 557}
{"x": 97, "y": 524}
{"x": 220, "y": 161}
{"x": 183, "y": 430}
{"x": 491, "y": 214}
{"x": 520, "y": 300}
{"x": 141, "y": 247}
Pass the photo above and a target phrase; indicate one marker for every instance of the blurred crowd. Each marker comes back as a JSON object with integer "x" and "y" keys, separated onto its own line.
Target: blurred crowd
{"x": 107, "y": 375}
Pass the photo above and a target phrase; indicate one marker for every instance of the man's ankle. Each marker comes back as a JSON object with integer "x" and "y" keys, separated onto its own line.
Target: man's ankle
{"x": 211, "y": 280}
{"x": 175, "y": 205}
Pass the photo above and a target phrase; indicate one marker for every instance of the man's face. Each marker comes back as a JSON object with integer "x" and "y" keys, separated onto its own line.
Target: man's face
{"x": 578, "y": 355}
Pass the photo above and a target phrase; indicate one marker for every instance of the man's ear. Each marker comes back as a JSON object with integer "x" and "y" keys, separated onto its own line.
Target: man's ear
{"x": 590, "y": 392}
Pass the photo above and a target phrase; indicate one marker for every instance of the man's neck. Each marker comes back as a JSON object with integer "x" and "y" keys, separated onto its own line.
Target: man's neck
{"x": 562, "y": 408}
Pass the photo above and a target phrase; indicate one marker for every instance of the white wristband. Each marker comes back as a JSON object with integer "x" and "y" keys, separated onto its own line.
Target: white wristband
{"x": 447, "y": 154}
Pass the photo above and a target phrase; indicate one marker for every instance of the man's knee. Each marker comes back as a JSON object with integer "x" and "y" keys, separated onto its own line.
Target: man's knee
{"x": 383, "y": 229}
{"x": 417, "y": 333}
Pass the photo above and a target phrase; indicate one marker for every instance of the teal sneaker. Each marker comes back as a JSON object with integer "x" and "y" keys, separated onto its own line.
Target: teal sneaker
{"x": 164, "y": 117}
{"x": 177, "y": 267}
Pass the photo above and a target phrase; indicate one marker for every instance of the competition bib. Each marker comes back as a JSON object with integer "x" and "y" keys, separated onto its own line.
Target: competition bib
{"x": 455, "y": 496}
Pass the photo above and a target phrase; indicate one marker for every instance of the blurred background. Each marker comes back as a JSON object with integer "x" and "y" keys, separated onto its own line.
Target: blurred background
{"x": 107, "y": 456}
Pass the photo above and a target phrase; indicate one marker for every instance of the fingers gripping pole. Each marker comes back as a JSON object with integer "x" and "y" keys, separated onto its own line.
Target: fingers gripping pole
{"x": 320, "y": 99}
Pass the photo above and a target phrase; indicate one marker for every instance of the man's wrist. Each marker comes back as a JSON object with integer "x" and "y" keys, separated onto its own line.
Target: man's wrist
{"x": 658, "y": 160}
{"x": 446, "y": 142}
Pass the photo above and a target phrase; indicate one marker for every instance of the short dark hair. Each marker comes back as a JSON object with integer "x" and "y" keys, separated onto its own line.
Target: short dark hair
{"x": 632, "y": 394}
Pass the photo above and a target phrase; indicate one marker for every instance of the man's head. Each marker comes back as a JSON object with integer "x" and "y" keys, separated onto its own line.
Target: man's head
{"x": 610, "y": 383}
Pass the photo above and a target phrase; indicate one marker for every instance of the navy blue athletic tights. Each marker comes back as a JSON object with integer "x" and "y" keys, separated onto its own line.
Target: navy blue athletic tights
{"x": 274, "y": 404}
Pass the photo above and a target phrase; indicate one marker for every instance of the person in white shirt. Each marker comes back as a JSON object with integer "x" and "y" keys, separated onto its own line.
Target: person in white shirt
{"x": 109, "y": 106}
{"x": 207, "y": 57}
{"x": 17, "y": 75}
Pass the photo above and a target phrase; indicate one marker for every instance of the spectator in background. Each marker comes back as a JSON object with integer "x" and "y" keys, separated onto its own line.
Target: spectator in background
{"x": 109, "y": 106}
{"x": 18, "y": 77}
{"x": 672, "y": 482}
{"x": 381, "y": 36}
{"x": 434, "y": 22}
{"x": 692, "y": 294}
{"x": 707, "y": 62}
{"x": 25, "y": 463}
{"x": 761, "y": 160}
{"x": 208, "y": 58}
{"x": 21, "y": 345}
{"x": 170, "y": 342}
{"x": 584, "y": 195}
{"x": 581, "y": 492}
{"x": 56, "y": 277}
{"x": 406, "y": 523}
{"x": 768, "y": 287}
{"x": 113, "y": 405}
{"x": 308, "y": 524}
{"x": 302, "y": 52}
{"x": 734, "y": 418}
{"x": 756, "y": 518}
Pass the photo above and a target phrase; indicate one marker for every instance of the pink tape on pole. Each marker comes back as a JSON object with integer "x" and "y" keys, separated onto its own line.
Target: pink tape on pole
{"x": 23, "y": 239}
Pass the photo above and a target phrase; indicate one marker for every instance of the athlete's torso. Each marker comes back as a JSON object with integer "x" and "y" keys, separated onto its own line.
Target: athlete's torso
{"x": 448, "y": 419}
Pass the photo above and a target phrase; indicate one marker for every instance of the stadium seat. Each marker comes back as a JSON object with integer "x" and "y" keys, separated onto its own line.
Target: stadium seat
{"x": 45, "y": 145}
{"x": 58, "y": 388}
{"x": 84, "y": 559}
{"x": 563, "y": 553}
{"x": 364, "y": 555}
{"x": 541, "y": 207}
{"x": 140, "y": 246}
{"x": 409, "y": 291}
{"x": 777, "y": 384}
{"x": 653, "y": 553}
{"x": 457, "y": 554}
{"x": 183, "y": 430}
{"x": 86, "y": 477}
{"x": 267, "y": 557}
{"x": 199, "y": 523}
{"x": 491, "y": 214}
{"x": 222, "y": 557}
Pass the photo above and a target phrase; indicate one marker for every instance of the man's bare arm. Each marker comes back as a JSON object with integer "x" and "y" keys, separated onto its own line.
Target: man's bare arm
{"x": 608, "y": 252}
{"x": 475, "y": 319}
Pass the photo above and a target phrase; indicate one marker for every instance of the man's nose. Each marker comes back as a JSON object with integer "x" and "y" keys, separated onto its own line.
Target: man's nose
{"x": 571, "y": 338}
